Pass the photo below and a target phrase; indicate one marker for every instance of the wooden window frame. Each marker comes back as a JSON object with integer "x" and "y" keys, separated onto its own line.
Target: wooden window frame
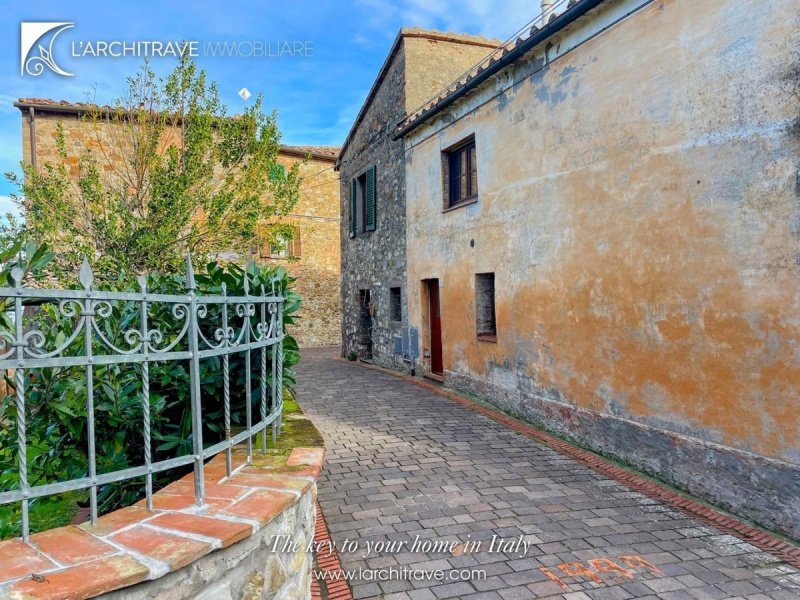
{"x": 468, "y": 148}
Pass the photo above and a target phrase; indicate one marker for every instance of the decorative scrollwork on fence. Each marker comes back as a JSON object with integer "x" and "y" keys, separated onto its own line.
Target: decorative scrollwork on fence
{"x": 91, "y": 316}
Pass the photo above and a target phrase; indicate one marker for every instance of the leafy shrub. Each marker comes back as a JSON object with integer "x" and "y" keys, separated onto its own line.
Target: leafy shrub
{"x": 56, "y": 396}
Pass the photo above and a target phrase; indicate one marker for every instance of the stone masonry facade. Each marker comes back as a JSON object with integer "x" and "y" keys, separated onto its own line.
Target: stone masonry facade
{"x": 316, "y": 214}
{"x": 317, "y": 264}
{"x": 419, "y": 63}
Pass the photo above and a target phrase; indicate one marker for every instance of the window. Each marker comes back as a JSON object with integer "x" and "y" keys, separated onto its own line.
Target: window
{"x": 460, "y": 166}
{"x": 395, "y": 305}
{"x": 285, "y": 248}
{"x": 362, "y": 203}
{"x": 484, "y": 307}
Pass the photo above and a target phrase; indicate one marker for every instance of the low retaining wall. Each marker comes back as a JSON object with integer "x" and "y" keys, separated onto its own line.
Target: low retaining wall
{"x": 230, "y": 549}
{"x": 752, "y": 486}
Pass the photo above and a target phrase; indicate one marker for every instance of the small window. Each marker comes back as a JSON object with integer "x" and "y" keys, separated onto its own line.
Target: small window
{"x": 460, "y": 166}
{"x": 484, "y": 307}
{"x": 395, "y": 305}
{"x": 284, "y": 248}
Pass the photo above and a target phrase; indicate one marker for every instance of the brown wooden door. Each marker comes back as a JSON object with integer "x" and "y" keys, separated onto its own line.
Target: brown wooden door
{"x": 434, "y": 310}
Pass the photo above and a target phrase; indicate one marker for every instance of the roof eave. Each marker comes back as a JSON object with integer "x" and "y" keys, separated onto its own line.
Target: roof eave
{"x": 311, "y": 153}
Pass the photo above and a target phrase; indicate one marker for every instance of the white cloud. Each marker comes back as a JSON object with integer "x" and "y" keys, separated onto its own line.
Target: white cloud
{"x": 472, "y": 16}
{"x": 7, "y": 205}
{"x": 483, "y": 17}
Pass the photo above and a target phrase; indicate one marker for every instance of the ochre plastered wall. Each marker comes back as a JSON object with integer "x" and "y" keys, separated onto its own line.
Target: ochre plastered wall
{"x": 640, "y": 207}
{"x": 316, "y": 213}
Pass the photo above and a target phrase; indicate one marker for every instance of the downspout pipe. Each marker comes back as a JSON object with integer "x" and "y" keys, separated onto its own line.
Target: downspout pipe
{"x": 32, "y": 129}
{"x": 554, "y": 26}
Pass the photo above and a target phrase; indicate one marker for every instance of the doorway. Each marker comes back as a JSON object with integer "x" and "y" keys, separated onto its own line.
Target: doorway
{"x": 435, "y": 319}
{"x": 365, "y": 325}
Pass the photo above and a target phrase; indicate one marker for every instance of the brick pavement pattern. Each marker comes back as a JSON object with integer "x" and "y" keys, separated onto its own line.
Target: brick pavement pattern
{"x": 405, "y": 464}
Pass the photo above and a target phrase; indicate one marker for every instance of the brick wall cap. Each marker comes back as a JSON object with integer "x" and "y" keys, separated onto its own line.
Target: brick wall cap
{"x": 88, "y": 560}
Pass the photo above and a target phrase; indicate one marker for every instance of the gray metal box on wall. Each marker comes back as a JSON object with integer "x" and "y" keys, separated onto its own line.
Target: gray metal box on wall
{"x": 407, "y": 343}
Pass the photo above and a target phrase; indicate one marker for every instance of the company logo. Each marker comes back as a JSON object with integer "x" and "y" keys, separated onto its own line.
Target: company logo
{"x": 32, "y": 63}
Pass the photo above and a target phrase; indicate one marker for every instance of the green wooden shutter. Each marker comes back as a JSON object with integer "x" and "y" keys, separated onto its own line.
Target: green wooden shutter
{"x": 369, "y": 213}
{"x": 353, "y": 208}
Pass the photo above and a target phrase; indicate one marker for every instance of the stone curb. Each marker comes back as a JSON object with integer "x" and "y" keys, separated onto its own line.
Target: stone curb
{"x": 787, "y": 552}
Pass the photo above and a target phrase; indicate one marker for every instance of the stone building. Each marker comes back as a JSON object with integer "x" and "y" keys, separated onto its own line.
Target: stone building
{"x": 372, "y": 179}
{"x": 603, "y": 238}
{"x": 313, "y": 256}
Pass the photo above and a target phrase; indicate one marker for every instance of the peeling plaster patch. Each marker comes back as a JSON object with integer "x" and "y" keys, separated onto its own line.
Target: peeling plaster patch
{"x": 614, "y": 403}
{"x": 540, "y": 247}
{"x": 503, "y": 100}
{"x": 568, "y": 71}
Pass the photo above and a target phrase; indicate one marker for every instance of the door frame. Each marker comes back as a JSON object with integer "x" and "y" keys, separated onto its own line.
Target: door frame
{"x": 434, "y": 330}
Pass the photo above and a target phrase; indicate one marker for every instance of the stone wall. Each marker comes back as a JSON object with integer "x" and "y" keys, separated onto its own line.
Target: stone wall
{"x": 317, "y": 269}
{"x": 316, "y": 213}
{"x": 375, "y": 260}
{"x": 419, "y": 63}
{"x": 638, "y": 205}
{"x": 247, "y": 570}
{"x": 250, "y": 540}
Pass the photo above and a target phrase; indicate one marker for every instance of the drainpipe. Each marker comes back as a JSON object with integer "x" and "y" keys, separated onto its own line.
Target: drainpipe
{"x": 32, "y": 125}
{"x": 547, "y": 10}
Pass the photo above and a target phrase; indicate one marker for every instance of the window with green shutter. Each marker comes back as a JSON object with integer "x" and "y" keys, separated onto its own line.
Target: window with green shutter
{"x": 369, "y": 200}
{"x": 363, "y": 213}
{"x": 353, "y": 208}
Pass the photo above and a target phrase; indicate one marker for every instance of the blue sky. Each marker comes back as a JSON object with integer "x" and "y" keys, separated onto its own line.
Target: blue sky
{"x": 317, "y": 96}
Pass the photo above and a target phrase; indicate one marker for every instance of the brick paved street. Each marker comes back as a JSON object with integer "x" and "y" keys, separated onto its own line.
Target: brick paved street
{"x": 404, "y": 464}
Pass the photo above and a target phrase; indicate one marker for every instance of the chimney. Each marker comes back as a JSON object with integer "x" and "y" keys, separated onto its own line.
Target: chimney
{"x": 547, "y": 10}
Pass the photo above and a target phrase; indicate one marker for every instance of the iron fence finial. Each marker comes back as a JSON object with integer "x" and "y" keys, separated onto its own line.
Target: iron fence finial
{"x": 86, "y": 275}
{"x": 190, "y": 284}
{"x": 17, "y": 275}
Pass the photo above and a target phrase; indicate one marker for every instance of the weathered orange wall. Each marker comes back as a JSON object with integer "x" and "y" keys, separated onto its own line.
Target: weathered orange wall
{"x": 640, "y": 206}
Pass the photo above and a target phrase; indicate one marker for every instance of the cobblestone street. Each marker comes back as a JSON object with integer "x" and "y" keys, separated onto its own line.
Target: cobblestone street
{"x": 405, "y": 466}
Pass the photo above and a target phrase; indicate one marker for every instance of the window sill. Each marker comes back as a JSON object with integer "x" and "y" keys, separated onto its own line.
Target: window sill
{"x": 487, "y": 338}
{"x": 467, "y": 202}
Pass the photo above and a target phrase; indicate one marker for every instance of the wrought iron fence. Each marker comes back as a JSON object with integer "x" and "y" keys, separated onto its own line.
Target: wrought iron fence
{"x": 244, "y": 324}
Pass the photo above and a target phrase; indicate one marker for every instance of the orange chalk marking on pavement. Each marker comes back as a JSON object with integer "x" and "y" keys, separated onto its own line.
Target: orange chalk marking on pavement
{"x": 554, "y": 578}
{"x": 637, "y": 562}
{"x": 576, "y": 569}
{"x": 606, "y": 565}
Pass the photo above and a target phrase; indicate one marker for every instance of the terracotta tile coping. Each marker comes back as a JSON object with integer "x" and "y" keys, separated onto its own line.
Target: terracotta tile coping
{"x": 761, "y": 539}
{"x": 133, "y": 544}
